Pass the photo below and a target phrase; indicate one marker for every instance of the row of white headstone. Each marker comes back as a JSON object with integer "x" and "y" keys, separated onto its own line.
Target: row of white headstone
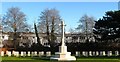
{"x": 23, "y": 54}
{"x": 97, "y": 53}
{"x": 83, "y": 53}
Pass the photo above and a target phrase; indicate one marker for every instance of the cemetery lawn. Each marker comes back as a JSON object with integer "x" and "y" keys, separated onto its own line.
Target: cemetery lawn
{"x": 38, "y": 59}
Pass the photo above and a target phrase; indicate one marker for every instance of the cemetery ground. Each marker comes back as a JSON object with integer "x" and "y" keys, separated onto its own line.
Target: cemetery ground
{"x": 46, "y": 59}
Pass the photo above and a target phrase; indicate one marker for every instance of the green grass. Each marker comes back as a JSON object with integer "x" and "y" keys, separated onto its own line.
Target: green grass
{"x": 44, "y": 59}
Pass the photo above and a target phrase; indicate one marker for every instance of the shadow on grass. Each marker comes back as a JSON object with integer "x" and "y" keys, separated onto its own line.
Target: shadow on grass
{"x": 47, "y": 59}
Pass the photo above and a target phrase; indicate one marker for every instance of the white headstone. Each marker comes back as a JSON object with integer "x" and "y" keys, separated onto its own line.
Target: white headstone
{"x": 101, "y": 53}
{"x": 48, "y": 53}
{"x": 116, "y": 53}
{"x": 97, "y": 53}
{"x": 28, "y": 53}
{"x": 14, "y": 53}
{"x": 32, "y": 53}
{"x": 93, "y": 53}
{"x": 90, "y": 53}
{"x": 2, "y": 53}
{"x": 104, "y": 53}
{"x": 41, "y": 53}
{"x": 35, "y": 53}
{"x": 85, "y": 53}
{"x": 22, "y": 53}
{"x": 17, "y": 54}
{"x": 109, "y": 53}
{"x": 6, "y": 52}
{"x": 77, "y": 53}
{"x": 9, "y": 53}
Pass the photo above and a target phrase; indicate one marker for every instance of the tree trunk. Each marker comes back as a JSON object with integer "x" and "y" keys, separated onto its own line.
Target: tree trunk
{"x": 36, "y": 32}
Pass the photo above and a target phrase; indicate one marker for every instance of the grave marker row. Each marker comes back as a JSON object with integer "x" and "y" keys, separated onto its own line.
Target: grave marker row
{"x": 83, "y": 53}
{"x": 97, "y": 53}
{"x": 23, "y": 54}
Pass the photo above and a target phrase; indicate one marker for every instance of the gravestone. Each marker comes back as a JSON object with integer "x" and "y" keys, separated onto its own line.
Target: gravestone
{"x": 97, "y": 53}
{"x": 22, "y": 54}
{"x": 93, "y": 53}
{"x": 109, "y": 53}
{"x": 78, "y": 53}
{"x": 85, "y": 53}
{"x": 6, "y": 52}
{"x": 28, "y": 53}
{"x": 41, "y": 53}
{"x": 17, "y": 54}
{"x": 35, "y": 53}
{"x": 2, "y": 53}
{"x": 13, "y": 52}
{"x": 32, "y": 53}
{"x": 101, "y": 53}
{"x": 104, "y": 53}
{"x": 48, "y": 53}
{"x": 116, "y": 53}
{"x": 90, "y": 53}
{"x": 9, "y": 53}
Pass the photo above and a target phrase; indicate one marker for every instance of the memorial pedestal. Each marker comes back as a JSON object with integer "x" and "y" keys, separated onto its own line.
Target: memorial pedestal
{"x": 63, "y": 55}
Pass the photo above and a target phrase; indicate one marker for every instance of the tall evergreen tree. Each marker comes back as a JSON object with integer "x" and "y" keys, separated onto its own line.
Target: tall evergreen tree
{"x": 108, "y": 27}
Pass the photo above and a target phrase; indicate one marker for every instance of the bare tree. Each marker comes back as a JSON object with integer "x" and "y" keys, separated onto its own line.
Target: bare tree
{"x": 15, "y": 21}
{"x": 49, "y": 23}
{"x": 86, "y": 24}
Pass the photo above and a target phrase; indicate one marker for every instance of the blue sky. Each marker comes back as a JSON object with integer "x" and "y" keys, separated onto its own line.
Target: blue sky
{"x": 59, "y": 0}
{"x": 70, "y": 12}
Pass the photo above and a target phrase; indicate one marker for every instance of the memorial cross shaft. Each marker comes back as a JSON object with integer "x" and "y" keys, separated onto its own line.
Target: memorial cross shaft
{"x": 63, "y": 32}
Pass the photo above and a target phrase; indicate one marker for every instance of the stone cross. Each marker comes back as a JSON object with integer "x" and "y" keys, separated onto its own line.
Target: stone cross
{"x": 63, "y": 55}
{"x": 63, "y": 25}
